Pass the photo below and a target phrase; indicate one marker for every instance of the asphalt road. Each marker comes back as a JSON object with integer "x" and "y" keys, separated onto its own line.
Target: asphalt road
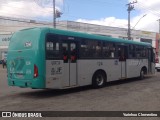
{"x": 126, "y": 95}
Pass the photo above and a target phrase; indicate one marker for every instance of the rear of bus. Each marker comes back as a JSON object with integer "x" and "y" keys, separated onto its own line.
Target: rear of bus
{"x": 25, "y": 60}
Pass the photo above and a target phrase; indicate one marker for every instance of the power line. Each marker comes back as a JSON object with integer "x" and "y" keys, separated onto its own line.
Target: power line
{"x": 139, "y": 21}
{"x": 149, "y": 9}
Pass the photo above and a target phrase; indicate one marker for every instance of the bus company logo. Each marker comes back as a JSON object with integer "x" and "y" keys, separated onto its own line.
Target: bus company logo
{"x": 28, "y": 44}
{"x": 6, "y": 114}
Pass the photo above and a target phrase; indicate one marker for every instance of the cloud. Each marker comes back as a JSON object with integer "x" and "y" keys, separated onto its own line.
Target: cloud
{"x": 49, "y": 3}
{"x": 110, "y": 21}
{"x": 152, "y": 10}
{"x": 145, "y": 4}
{"x": 42, "y": 10}
{"x": 139, "y": 22}
{"x": 149, "y": 22}
{"x": 30, "y": 9}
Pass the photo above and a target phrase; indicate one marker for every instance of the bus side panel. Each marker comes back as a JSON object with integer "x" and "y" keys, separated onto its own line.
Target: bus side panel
{"x": 86, "y": 69}
{"x": 134, "y": 67}
{"x": 54, "y": 74}
{"x": 153, "y": 68}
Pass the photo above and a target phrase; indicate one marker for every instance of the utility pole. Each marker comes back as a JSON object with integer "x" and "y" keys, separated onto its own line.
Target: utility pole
{"x": 54, "y": 14}
{"x": 130, "y": 8}
{"x": 159, "y": 25}
{"x": 159, "y": 38}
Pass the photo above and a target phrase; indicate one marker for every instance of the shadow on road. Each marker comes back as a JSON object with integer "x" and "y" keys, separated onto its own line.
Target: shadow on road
{"x": 125, "y": 81}
{"x": 46, "y": 93}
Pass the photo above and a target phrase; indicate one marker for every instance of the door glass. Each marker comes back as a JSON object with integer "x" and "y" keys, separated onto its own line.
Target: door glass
{"x": 121, "y": 53}
{"x": 69, "y": 52}
{"x": 73, "y": 52}
{"x": 65, "y": 52}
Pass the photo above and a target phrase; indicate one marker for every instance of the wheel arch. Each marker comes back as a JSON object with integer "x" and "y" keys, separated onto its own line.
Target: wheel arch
{"x": 101, "y": 71}
{"x": 144, "y": 68}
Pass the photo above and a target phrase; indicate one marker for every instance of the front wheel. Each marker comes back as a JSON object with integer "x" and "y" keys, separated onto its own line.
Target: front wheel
{"x": 99, "y": 80}
{"x": 141, "y": 77}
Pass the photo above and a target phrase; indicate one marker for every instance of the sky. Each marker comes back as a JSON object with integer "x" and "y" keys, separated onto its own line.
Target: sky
{"x": 102, "y": 12}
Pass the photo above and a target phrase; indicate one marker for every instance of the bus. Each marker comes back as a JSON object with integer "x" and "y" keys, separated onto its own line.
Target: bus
{"x": 42, "y": 58}
{"x": 157, "y": 64}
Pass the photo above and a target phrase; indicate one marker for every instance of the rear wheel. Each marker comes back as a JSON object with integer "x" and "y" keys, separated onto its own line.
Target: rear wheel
{"x": 99, "y": 80}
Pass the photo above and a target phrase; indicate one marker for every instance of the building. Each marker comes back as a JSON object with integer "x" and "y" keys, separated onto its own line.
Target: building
{"x": 11, "y": 25}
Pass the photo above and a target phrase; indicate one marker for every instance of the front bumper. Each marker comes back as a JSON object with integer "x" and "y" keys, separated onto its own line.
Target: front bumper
{"x": 158, "y": 69}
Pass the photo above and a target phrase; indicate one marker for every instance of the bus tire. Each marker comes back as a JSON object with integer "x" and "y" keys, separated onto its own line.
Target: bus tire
{"x": 142, "y": 73}
{"x": 99, "y": 79}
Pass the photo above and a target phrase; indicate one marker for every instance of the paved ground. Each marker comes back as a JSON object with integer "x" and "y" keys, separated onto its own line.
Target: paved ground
{"x": 126, "y": 95}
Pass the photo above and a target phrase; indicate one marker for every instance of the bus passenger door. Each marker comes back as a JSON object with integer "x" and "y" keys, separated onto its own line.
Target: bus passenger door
{"x": 151, "y": 61}
{"x": 70, "y": 63}
{"x": 122, "y": 54}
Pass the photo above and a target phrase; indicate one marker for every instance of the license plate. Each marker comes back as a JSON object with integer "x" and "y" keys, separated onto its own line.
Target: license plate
{"x": 19, "y": 75}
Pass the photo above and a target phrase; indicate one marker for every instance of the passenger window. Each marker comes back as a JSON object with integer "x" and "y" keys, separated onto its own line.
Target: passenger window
{"x": 49, "y": 46}
{"x": 52, "y": 49}
{"x": 83, "y": 49}
{"x": 144, "y": 52}
{"x": 109, "y": 50}
{"x": 131, "y": 51}
{"x": 141, "y": 52}
{"x": 98, "y": 50}
{"x": 90, "y": 49}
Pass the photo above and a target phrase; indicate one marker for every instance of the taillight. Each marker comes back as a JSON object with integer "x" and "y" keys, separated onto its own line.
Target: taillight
{"x": 35, "y": 71}
{"x": 157, "y": 60}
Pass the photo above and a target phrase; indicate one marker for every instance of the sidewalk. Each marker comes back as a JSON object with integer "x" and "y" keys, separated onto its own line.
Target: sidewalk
{"x": 1, "y": 67}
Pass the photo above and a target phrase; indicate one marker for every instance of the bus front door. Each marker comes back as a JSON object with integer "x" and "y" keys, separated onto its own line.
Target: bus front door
{"x": 122, "y": 54}
{"x": 151, "y": 61}
{"x": 70, "y": 63}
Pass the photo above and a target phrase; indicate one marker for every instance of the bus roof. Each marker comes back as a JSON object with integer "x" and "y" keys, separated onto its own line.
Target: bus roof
{"x": 89, "y": 36}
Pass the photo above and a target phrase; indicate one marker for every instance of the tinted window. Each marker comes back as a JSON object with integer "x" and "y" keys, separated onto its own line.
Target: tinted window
{"x": 132, "y": 51}
{"x": 90, "y": 49}
{"x": 109, "y": 50}
{"x": 52, "y": 47}
{"x": 141, "y": 52}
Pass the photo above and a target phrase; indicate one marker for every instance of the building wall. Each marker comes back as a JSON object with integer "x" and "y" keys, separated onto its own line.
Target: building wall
{"x": 11, "y": 25}
{"x": 4, "y": 42}
{"x": 136, "y": 35}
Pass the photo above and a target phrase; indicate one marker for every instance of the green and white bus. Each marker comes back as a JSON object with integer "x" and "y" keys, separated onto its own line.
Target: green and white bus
{"x": 58, "y": 59}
